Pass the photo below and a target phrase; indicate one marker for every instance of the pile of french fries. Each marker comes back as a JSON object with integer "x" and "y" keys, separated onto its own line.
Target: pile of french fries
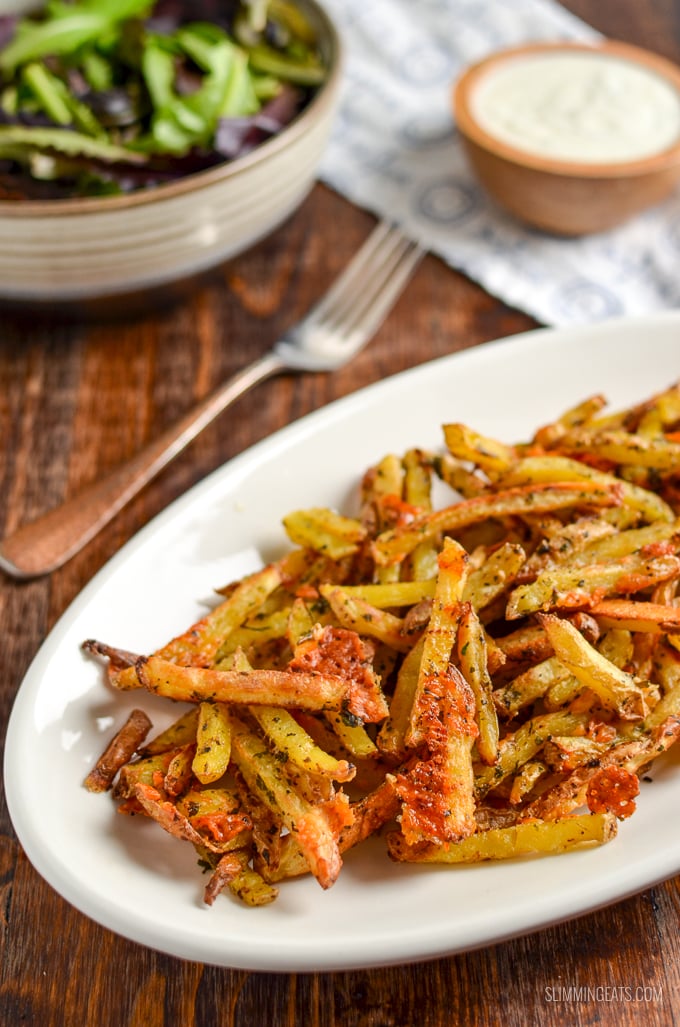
{"x": 481, "y": 680}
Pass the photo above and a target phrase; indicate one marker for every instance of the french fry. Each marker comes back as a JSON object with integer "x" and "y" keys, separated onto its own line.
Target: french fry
{"x": 181, "y": 732}
{"x": 325, "y": 531}
{"x": 497, "y": 573}
{"x": 168, "y": 815}
{"x": 234, "y": 872}
{"x": 582, "y": 413}
{"x": 352, "y": 736}
{"x": 528, "y": 644}
{"x": 622, "y": 447}
{"x": 289, "y": 738}
{"x": 613, "y": 686}
{"x": 637, "y": 615}
{"x": 150, "y": 770}
{"x": 369, "y": 814}
{"x": 441, "y": 633}
{"x": 526, "y": 779}
{"x": 395, "y": 729}
{"x": 458, "y": 475}
{"x": 340, "y": 654}
{"x": 533, "y": 684}
{"x": 213, "y": 742}
{"x": 437, "y": 791}
{"x": 393, "y": 546}
{"x": 417, "y": 479}
{"x": 565, "y": 691}
{"x": 616, "y": 644}
{"x": 217, "y": 814}
{"x": 473, "y": 664}
{"x": 584, "y": 586}
{"x": 422, "y": 562}
{"x": 667, "y": 707}
{"x": 119, "y": 751}
{"x": 490, "y": 454}
{"x": 258, "y": 630}
{"x": 567, "y": 752}
{"x": 565, "y": 544}
{"x": 387, "y": 594}
{"x": 178, "y": 774}
{"x": 266, "y": 687}
{"x": 510, "y": 842}
{"x": 542, "y": 470}
{"x": 385, "y": 479}
{"x": 358, "y": 615}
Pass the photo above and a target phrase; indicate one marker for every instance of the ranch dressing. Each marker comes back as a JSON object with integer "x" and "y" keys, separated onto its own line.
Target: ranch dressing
{"x": 578, "y": 106}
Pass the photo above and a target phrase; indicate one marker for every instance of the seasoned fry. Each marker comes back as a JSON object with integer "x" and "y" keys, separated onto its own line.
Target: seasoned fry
{"x": 546, "y": 469}
{"x": 473, "y": 664}
{"x": 268, "y": 687}
{"x": 441, "y": 633}
{"x": 369, "y": 814}
{"x": 468, "y": 677}
{"x": 289, "y": 737}
{"x": 217, "y": 814}
{"x": 613, "y": 686}
{"x": 213, "y": 749}
{"x": 170, "y": 818}
{"x": 358, "y": 615}
{"x": 385, "y": 595}
{"x": 438, "y": 791}
{"x": 622, "y": 447}
{"x": 637, "y": 616}
{"x": 150, "y": 770}
{"x": 567, "y": 589}
{"x": 497, "y": 573}
{"x": 181, "y": 732}
{"x": 526, "y": 688}
{"x": 234, "y": 872}
{"x": 393, "y": 733}
{"x": 393, "y": 546}
{"x": 325, "y": 531}
{"x": 525, "y": 779}
{"x": 178, "y": 775}
{"x": 119, "y": 751}
{"x": 466, "y": 444}
{"x": 509, "y": 842}
{"x": 458, "y": 476}
{"x": 582, "y": 413}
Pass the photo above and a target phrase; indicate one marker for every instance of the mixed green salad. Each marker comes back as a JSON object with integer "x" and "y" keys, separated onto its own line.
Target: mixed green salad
{"x": 102, "y": 97}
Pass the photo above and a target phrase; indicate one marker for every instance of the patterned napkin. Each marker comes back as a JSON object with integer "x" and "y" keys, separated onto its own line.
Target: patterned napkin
{"x": 395, "y": 152}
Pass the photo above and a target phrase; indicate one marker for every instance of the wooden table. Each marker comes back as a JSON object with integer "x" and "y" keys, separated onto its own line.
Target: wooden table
{"x": 76, "y": 397}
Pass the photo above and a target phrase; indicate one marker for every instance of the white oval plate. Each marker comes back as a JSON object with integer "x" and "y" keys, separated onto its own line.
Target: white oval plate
{"x": 131, "y": 877}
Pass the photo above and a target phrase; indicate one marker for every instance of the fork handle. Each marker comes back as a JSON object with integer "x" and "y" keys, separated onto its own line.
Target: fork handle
{"x": 47, "y": 543}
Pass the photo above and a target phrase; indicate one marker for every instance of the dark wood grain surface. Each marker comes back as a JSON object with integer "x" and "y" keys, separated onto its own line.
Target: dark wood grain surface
{"x": 79, "y": 394}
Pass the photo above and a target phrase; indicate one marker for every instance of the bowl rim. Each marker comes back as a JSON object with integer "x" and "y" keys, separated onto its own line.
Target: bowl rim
{"x": 470, "y": 128}
{"x": 323, "y": 99}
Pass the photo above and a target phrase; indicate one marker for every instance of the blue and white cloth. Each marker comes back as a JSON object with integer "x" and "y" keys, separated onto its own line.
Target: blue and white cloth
{"x": 395, "y": 151}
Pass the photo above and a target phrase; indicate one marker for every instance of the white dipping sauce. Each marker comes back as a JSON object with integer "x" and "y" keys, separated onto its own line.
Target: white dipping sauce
{"x": 577, "y": 106}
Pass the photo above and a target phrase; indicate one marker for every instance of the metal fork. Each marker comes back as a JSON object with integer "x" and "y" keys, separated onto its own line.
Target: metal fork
{"x": 331, "y": 334}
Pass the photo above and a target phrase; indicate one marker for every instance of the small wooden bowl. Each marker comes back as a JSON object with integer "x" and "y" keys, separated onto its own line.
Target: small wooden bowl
{"x": 566, "y": 197}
